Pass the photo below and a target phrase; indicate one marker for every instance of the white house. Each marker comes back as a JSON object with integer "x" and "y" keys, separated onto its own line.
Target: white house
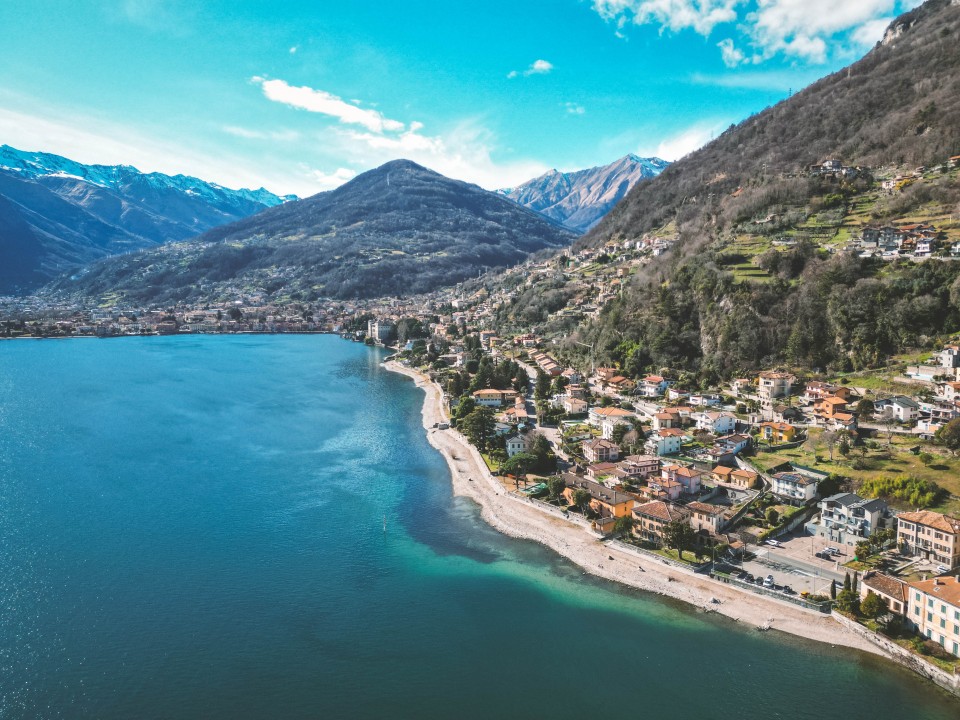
{"x": 717, "y": 423}
{"x": 950, "y": 356}
{"x": 794, "y": 486}
{"x": 900, "y": 407}
{"x": 574, "y": 406}
{"x": 516, "y": 444}
{"x": 609, "y": 425}
{"x": 664, "y": 442}
{"x": 653, "y": 386}
{"x": 848, "y": 518}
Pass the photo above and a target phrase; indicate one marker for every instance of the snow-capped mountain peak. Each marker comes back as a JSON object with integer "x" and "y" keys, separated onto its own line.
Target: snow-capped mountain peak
{"x": 35, "y": 165}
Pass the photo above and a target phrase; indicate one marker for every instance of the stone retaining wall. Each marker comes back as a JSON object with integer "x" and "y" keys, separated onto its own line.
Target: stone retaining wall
{"x": 949, "y": 682}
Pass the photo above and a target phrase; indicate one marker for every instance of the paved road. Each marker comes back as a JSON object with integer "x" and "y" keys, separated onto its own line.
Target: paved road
{"x": 800, "y": 580}
{"x": 821, "y": 568}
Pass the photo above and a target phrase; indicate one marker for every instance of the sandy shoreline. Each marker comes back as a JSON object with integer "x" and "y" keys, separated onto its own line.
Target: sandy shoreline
{"x": 518, "y": 518}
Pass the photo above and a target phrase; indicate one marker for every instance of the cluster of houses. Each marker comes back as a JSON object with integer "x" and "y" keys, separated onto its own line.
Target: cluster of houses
{"x": 654, "y": 491}
{"x": 915, "y": 240}
{"x": 835, "y": 169}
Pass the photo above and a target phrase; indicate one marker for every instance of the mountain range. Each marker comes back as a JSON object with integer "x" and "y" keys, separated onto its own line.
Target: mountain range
{"x": 579, "y": 200}
{"x": 396, "y": 230}
{"x": 56, "y": 213}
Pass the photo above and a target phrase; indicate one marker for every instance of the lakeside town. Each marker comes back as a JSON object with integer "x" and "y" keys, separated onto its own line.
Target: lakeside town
{"x": 837, "y": 498}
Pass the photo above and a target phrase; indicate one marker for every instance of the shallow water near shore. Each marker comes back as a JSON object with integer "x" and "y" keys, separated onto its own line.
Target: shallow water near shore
{"x": 194, "y": 527}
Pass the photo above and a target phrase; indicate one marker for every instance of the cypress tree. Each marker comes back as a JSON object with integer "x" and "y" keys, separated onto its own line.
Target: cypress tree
{"x": 833, "y": 589}
{"x": 853, "y": 585}
{"x": 846, "y": 582}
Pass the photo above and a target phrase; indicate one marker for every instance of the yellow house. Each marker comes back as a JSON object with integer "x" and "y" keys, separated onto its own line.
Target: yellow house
{"x": 603, "y": 500}
{"x": 777, "y": 432}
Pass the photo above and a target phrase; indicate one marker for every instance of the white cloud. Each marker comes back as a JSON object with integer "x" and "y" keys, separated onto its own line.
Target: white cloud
{"x": 871, "y": 32}
{"x": 683, "y": 143}
{"x": 801, "y": 28}
{"x": 329, "y": 181}
{"x": 775, "y": 80}
{"x": 574, "y": 108}
{"x": 324, "y": 103}
{"x": 272, "y": 135}
{"x": 368, "y": 139}
{"x": 730, "y": 54}
{"x": 465, "y": 152}
{"x": 538, "y": 67}
{"x": 293, "y": 50}
{"x": 699, "y": 15}
{"x": 809, "y": 30}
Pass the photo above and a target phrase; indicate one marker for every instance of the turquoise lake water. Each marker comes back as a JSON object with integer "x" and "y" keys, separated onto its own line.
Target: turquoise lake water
{"x": 192, "y": 527}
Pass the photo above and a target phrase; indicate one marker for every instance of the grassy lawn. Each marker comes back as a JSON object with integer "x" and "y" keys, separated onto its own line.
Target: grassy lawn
{"x": 688, "y": 557}
{"x": 880, "y": 382}
{"x": 492, "y": 465}
{"x": 945, "y": 471}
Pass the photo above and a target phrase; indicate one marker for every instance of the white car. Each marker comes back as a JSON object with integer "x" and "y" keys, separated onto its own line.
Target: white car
{"x": 942, "y": 569}
{"x": 773, "y": 543}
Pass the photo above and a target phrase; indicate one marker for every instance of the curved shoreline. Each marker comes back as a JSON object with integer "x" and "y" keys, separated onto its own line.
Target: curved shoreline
{"x": 514, "y": 517}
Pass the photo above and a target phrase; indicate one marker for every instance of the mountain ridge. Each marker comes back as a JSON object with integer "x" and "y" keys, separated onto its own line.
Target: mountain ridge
{"x": 580, "y": 198}
{"x": 69, "y": 213}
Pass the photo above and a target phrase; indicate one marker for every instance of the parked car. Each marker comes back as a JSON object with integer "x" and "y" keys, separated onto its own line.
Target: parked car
{"x": 749, "y": 577}
{"x": 787, "y": 590}
{"x": 768, "y": 583}
{"x": 942, "y": 569}
{"x": 773, "y": 543}
{"x": 832, "y": 550}
{"x": 822, "y": 554}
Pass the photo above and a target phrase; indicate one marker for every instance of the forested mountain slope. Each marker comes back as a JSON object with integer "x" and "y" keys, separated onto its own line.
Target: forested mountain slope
{"x": 399, "y": 229}
{"x": 743, "y": 255}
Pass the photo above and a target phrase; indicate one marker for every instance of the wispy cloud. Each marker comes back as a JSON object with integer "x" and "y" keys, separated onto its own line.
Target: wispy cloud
{"x": 684, "y": 142}
{"x": 574, "y": 108}
{"x": 699, "y": 15}
{"x": 731, "y": 55}
{"x": 272, "y": 135}
{"x": 772, "y": 80}
{"x": 324, "y": 103}
{"x": 809, "y": 31}
{"x": 466, "y": 151}
{"x": 538, "y": 67}
{"x": 329, "y": 181}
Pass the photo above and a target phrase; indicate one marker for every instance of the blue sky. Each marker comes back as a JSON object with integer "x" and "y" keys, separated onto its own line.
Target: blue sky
{"x": 301, "y": 96}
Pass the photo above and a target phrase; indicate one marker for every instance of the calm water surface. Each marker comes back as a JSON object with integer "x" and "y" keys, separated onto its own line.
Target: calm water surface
{"x": 192, "y": 527}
